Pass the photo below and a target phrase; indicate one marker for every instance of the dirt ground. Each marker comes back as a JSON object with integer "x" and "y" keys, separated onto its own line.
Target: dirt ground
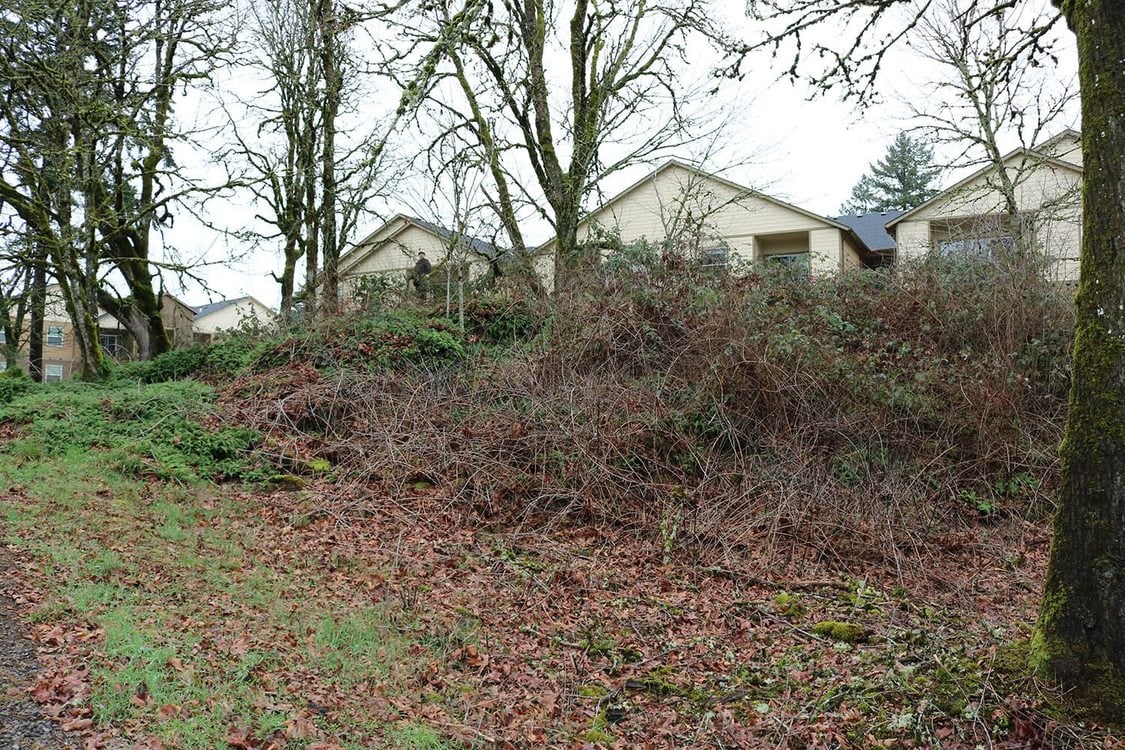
{"x": 23, "y": 726}
{"x": 578, "y": 638}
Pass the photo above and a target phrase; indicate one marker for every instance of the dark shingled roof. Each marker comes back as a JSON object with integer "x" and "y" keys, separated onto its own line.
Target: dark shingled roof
{"x": 216, "y": 306}
{"x": 486, "y": 249}
{"x": 872, "y": 229}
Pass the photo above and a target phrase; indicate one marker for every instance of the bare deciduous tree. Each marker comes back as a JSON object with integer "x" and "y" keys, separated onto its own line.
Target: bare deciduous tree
{"x": 89, "y": 139}
{"x": 131, "y": 181}
{"x": 17, "y": 279}
{"x": 552, "y": 95}
{"x": 315, "y": 161}
{"x": 49, "y": 94}
{"x": 985, "y": 92}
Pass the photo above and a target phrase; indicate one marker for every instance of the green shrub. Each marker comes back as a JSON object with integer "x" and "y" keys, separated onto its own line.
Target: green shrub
{"x": 379, "y": 292}
{"x": 501, "y": 320}
{"x": 13, "y": 382}
{"x": 149, "y": 429}
{"x": 174, "y": 365}
{"x": 229, "y": 357}
{"x": 224, "y": 359}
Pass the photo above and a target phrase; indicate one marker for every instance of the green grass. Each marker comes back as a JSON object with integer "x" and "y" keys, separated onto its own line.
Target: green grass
{"x": 109, "y": 496}
{"x": 415, "y": 737}
{"x": 356, "y": 646}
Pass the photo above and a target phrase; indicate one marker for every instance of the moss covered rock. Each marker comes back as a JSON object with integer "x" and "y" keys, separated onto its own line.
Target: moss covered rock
{"x": 845, "y": 632}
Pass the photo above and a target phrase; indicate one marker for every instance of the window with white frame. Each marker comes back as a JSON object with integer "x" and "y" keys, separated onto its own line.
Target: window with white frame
{"x": 111, "y": 344}
{"x": 54, "y": 336}
{"x": 52, "y": 373}
{"x": 3, "y": 336}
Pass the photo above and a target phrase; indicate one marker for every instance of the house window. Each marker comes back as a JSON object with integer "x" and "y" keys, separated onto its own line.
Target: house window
{"x": 52, "y": 373}
{"x": 794, "y": 261}
{"x": 981, "y": 248}
{"x": 110, "y": 344}
{"x": 54, "y": 336}
{"x": 3, "y": 336}
{"x": 983, "y": 237}
{"x": 713, "y": 257}
{"x": 3, "y": 365}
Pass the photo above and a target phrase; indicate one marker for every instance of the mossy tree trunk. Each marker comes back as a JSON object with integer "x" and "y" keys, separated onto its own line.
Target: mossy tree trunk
{"x": 330, "y": 65}
{"x": 1080, "y": 637}
{"x": 37, "y": 301}
{"x": 503, "y": 202}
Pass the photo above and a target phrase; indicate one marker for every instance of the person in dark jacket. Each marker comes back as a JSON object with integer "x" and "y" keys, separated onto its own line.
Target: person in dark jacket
{"x": 422, "y": 269}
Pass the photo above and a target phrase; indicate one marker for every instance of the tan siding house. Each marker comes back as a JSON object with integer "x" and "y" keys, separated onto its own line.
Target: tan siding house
{"x": 392, "y": 249}
{"x": 969, "y": 217}
{"x": 60, "y": 350}
{"x": 720, "y": 220}
{"x": 176, "y": 315}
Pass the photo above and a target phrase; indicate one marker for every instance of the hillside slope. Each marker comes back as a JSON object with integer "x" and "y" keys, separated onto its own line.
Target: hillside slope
{"x": 678, "y": 511}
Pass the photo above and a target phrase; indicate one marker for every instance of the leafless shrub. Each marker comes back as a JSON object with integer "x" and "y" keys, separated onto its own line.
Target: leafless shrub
{"x": 846, "y": 418}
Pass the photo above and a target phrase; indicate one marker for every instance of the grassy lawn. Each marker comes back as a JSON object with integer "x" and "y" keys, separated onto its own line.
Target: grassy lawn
{"x": 206, "y": 632}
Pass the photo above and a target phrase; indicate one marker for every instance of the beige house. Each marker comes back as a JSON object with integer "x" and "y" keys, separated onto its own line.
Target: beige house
{"x": 719, "y": 222}
{"x": 392, "y": 250}
{"x": 176, "y": 315}
{"x": 969, "y": 217}
{"x": 216, "y": 318}
{"x": 60, "y": 351}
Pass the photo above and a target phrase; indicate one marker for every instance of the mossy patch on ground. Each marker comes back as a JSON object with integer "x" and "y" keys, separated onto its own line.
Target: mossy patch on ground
{"x": 844, "y": 632}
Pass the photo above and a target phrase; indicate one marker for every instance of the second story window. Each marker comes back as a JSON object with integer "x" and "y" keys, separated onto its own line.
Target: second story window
{"x": 54, "y": 336}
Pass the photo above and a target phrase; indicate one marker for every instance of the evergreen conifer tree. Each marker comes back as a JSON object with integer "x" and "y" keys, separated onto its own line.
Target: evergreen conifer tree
{"x": 902, "y": 179}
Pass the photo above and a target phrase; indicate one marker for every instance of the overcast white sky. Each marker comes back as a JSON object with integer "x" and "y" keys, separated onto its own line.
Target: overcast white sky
{"x": 808, "y": 152}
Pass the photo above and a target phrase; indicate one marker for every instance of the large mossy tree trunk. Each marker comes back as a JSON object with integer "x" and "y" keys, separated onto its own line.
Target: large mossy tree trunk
{"x": 1080, "y": 637}
{"x": 330, "y": 65}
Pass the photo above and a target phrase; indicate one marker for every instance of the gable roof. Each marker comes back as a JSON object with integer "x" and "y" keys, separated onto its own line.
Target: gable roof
{"x": 1068, "y": 133}
{"x": 871, "y": 229}
{"x": 477, "y": 245}
{"x": 369, "y": 244}
{"x": 214, "y": 307}
{"x": 1033, "y": 154}
{"x": 742, "y": 189}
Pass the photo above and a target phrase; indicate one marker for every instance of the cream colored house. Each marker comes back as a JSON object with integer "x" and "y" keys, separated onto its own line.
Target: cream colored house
{"x": 718, "y": 221}
{"x": 969, "y": 217}
{"x": 392, "y": 250}
{"x": 228, "y": 315}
